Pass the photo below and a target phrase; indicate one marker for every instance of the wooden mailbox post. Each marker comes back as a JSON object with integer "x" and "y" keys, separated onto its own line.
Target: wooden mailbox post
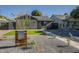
{"x": 21, "y": 40}
{"x": 21, "y": 33}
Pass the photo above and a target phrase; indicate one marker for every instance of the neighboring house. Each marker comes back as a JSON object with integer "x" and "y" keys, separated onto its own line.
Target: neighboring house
{"x": 72, "y": 23}
{"x": 59, "y": 20}
{"x": 3, "y": 24}
{"x": 12, "y": 24}
{"x": 6, "y": 24}
{"x": 65, "y": 22}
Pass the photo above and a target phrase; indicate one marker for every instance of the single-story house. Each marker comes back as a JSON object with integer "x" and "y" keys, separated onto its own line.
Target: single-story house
{"x": 65, "y": 22}
{"x": 35, "y": 22}
{"x": 38, "y": 22}
{"x": 72, "y": 23}
{"x": 6, "y": 24}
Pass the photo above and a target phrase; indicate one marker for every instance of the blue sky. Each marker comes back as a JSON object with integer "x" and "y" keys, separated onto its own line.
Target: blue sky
{"x": 47, "y": 10}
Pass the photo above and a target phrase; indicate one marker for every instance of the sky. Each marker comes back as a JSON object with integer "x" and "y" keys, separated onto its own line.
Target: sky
{"x": 47, "y": 10}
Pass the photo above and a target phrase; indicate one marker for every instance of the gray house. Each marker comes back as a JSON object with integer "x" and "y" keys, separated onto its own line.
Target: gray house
{"x": 6, "y": 23}
{"x": 39, "y": 21}
{"x": 59, "y": 20}
{"x": 65, "y": 22}
{"x": 35, "y": 22}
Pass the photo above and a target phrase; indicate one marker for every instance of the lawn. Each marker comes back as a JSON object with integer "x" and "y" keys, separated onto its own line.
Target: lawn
{"x": 29, "y": 32}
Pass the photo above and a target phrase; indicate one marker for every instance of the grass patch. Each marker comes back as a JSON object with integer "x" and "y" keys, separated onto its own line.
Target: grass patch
{"x": 29, "y": 32}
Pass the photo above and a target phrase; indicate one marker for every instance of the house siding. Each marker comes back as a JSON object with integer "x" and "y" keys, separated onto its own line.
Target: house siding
{"x": 33, "y": 24}
{"x": 56, "y": 20}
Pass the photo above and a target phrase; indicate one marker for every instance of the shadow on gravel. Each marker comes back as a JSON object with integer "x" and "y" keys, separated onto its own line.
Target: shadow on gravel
{"x": 5, "y": 47}
{"x": 25, "y": 48}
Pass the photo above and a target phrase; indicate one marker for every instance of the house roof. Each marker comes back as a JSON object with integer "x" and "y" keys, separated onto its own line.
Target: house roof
{"x": 3, "y": 20}
{"x": 38, "y": 18}
{"x": 60, "y": 17}
{"x": 21, "y": 15}
{"x": 6, "y": 20}
{"x": 42, "y": 18}
{"x": 72, "y": 19}
{"x": 12, "y": 20}
{"x": 63, "y": 17}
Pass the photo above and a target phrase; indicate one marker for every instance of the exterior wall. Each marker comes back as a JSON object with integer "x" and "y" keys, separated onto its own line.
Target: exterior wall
{"x": 63, "y": 25}
{"x": 74, "y": 24}
{"x": 32, "y": 24}
{"x": 7, "y": 25}
{"x": 0, "y": 24}
{"x": 39, "y": 25}
{"x": 59, "y": 21}
{"x": 10, "y": 26}
{"x": 3, "y": 26}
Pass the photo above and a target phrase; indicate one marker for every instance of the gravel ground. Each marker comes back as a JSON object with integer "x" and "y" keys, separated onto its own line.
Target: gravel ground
{"x": 46, "y": 44}
{"x": 2, "y": 32}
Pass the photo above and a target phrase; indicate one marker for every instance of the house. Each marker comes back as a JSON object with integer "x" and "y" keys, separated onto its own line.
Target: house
{"x": 35, "y": 22}
{"x": 72, "y": 23}
{"x": 59, "y": 20}
{"x": 65, "y": 22}
{"x": 40, "y": 21}
{"x": 3, "y": 24}
{"x": 6, "y": 23}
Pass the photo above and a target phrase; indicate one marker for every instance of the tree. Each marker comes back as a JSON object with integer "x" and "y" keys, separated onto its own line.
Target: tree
{"x": 75, "y": 13}
{"x": 36, "y": 13}
{"x": 65, "y": 13}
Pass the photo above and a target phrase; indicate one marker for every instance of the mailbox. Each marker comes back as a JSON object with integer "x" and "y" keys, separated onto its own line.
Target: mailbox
{"x": 20, "y": 38}
{"x": 21, "y": 33}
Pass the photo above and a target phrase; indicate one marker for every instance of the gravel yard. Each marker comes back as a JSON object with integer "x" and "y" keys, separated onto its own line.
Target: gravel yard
{"x": 46, "y": 45}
